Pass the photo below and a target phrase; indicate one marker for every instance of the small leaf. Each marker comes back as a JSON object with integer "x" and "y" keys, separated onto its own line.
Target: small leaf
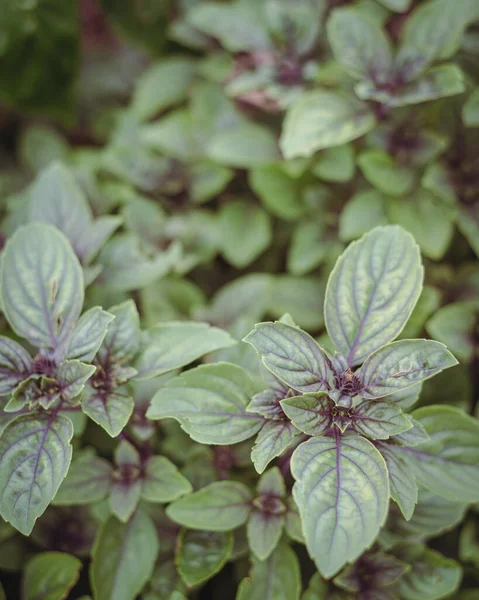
{"x": 88, "y": 334}
{"x": 220, "y": 506}
{"x": 372, "y": 291}
{"x": 243, "y": 147}
{"x": 360, "y": 45}
{"x": 310, "y": 413}
{"x": 35, "y": 455}
{"x": 322, "y": 119}
{"x": 15, "y": 365}
{"x": 453, "y": 325}
{"x": 41, "y": 285}
{"x": 383, "y": 172}
{"x": 126, "y": 485}
{"x": 414, "y": 436}
{"x": 123, "y": 557}
{"x": 246, "y": 232}
{"x": 291, "y": 355}
{"x": 173, "y": 345}
{"x": 277, "y": 578}
{"x": 50, "y": 576}
{"x": 364, "y": 211}
{"x": 88, "y": 481}
{"x": 402, "y": 364}
{"x": 210, "y": 404}
{"x": 335, "y": 164}
{"x": 379, "y": 420}
{"x": 470, "y": 110}
{"x": 274, "y": 438}
{"x": 342, "y": 492}
{"x": 162, "y": 482}
{"x": 122, "y": 340}
{"x": 447, "y": 464}
{"x": 278, "y": 192}
{"x": 264, "y": 531}
{"x": 111, "y": 411}
{"x": 402, "y": 483}
{"x": 202, "y": 554}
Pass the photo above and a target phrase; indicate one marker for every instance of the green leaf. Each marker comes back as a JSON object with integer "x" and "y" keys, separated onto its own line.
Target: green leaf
{"x": 273, "y": 439}
{"x": 35, "y": 455}
{"x": 202, "y": 554}
{"x": 342, "y": 492}
{"x": 15, "y": 365}
{"x": 301, "y": 297}
{"x": 321, "y": 119}
{"x": 277, "y": 578}
{"x": 245, "y": 232}
{"x": 123, "y": 557}
{"x": 264, "y": 532}
{"x": 470, "y": 110}
{"x": 173, "y": 345}
{"x": 454, "y": 325}
{"x": 402, "y": 364}
{"x": 171, "y": 135}
{"x": 468, "y": 224}
{"x": 164, "y": 84}
{"x": 88, "y": 334}
{"x": 335, "y": 164}
{"x": 111, "y": 411}
{"x": 428, "y": 303}
{"x": 432, "y": 576}
{"x": 379, "y": 420}
{"x": 399, "y": 6}
{"x": 220, "y": 506}
{"x": 162, "y": 482}
{"x": 50, "y": 576}
{"x": 210, "y": 403}
{"x": 88, "y": 481}
{"x": 372, "y": 290}
{"x": 364, "y": 211}
{"x": 414, "y": 436}
{"x": 402, "y": 483}
{"x": 208, "y": 180}
{"x": 309, "y": 247}
{"x": 278, "y": 192}
{"x": 125, "y": 490}
{"x": 122, "y": 340}
{"x": 447, "y": 464}
{"x": 385, "y": 174}
{"x": 291, "y": 355}
{"x": 310, "y": 413}
{"x": 243, "y": 147}
{"x": 360, "y": 45}
{"x": 41, "y": 285}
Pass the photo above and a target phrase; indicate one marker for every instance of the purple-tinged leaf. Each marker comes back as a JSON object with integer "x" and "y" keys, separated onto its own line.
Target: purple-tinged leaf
{"x": 370, "y": 573}
{"x": 169, "y": 346}
{"x": 267, "y": 403}
{"x": 88, "y": 334}
{"x": 371, "y": 291}
{"x": 412, "y": 437}
{"x": 379, "y": 420}
{"x": 448, "y": 463}
{"x": 264, "y": 531}
{"x": 220, "y": 506}
{"x": 110, "y": 409}
{"x": 291, "y": 355}
{"x": 15, "y": 365}
{"x": 162, "y": 482}
{"x": 88, "y": 481}
{"x": 310, "y": 413}
{"x": 402, "y": 364}
{"x": 41, "y": 285}
{"x": 210, "y": 404}
{"x": 402, "y": 482}
{"x": 35, "y": 455}
{"x": 126, "y": 487}
{"x": 274, "y": 438}
{"x": 122, "y": 339}
{"x": 342, "y": 492}
{"x": 407, "y": 397}
{"x": 272, "y": 483}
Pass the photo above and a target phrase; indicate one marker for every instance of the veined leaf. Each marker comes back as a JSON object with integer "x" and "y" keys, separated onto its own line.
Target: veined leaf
{"x": 379, "y": 420}
{"x": 35, "y": 455}
{"x": 41, "y": 285}
{"x": 372, "y": 290}
{"x": 402, "y": 364}
{"x": 264, "y": 532}
{"x": 162, "y": 482}
{"x": 124, "y": 556}
{"x": 89, "y": 480}
{"x": 111, "y": 410}
{"x": 220, "y": 506}
{"x": 122, "y": 340}
{"x": 342, "y": 492}
{"x": 50, "y": 576}
{"x": 402, "y": 483}
{"x": 88, "y": 334}
{"x": 15, "y": 365}
{"x": 173, "y": 345}
{"x": 447, "y": 464}
{"x": 310, "y": 413}
{"x": 201, "y": 554}
{"x": 291, "y": 355}
{"x": 210, "y": 403}
{"x": 273, "y": 439}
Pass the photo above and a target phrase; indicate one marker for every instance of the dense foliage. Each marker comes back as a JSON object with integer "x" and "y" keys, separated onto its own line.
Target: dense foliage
{"x": 239, "y": 287}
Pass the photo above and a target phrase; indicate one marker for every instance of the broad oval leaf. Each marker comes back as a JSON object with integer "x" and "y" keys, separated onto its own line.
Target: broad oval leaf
{"x": 210, "y": 403}
{"x": 201, "y": 554}
{"x": 342, "y": 492}
{"x": 448, "y": 463}
{"x": 372, "y": 290}
{"x": 322, "y": 119}
{"x": 162, "y": 482}
{"x": 123, "y": 557}
{"x": 402, "y": 364}
{"x": 35, "y": 455}
{"x": 173, "y": 345}
{"x": 111, "y": 410}
{"x": 15, "y": 365}
{"x": 41, "y": 285}
{"x": 50, "y": 576}
{"x": 379, "y": 420}
{"x": 291, "y": 355}
{"x": 89, "y": 480}
{"x": 220, "y": 506}
{"x": 310, "y": 413}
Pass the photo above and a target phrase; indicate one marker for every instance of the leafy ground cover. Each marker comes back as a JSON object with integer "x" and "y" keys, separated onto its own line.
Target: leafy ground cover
{"x": 239, "y": 289}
